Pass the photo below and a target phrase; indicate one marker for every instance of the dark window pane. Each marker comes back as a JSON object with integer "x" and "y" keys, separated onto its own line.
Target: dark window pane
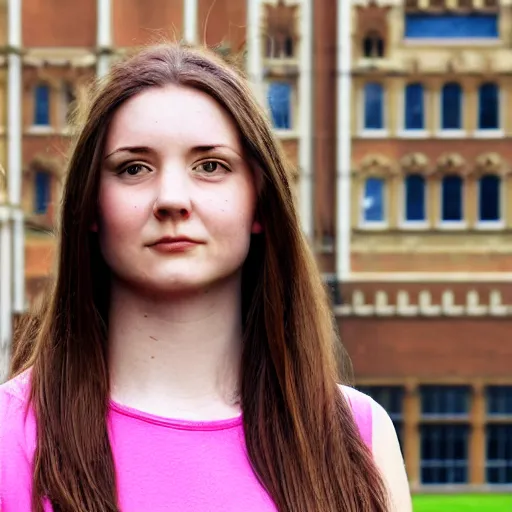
{"x": 451, "y": 26}
{"x": 288, "y": 47}
{"x": 373, "y": 202}
{"x": 42, "y": 192}
{"x": 415, "y": 198}
{"x": 452, "y": 107}
{"x": 414, "y": 106}
{"x": 499, "y": 454}
{"x": 488, "y": 111}
{"x": 279, "y": 99}
{"x": 489, "y": 198}
{"x": 42, "y": 105}
{"x": 368, "y": 47}
{"x": 445, "y": 400}
{"x": 452, "y": 199}
{"x": 499, "y": 400}
{"x": 444, "y": 454}
{"x": 373, "y": 106}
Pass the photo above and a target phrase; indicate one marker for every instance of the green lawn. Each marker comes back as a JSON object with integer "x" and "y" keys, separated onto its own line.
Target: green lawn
{"x": 463, "y": 503}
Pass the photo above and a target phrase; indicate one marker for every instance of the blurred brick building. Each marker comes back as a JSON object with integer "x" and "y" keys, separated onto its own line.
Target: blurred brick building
{"x": 395, "y": 114}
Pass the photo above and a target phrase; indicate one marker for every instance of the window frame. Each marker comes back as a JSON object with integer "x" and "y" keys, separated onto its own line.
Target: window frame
{"x": 439, "y": 463}
{"x": 491, "y": 224}
{"x": 373, "y": 132}
{"x": 499, "y": 463}
{"x": 48, "y": 177}
{"x": 491, "y": 133}
{"x": 451, "y": 132}
{"x": 452, "y": 41}
{"x": 414, "y": 224}
{"x": 292, "y": 131}
{"x": 34, "y": 127}
{"x": 413, "y": 132}
{"x": 451, "y": 224}
{"x": 374, "y": 225}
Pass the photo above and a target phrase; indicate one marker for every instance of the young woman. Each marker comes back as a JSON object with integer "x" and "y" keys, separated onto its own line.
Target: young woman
{"x": 184, "y": 360}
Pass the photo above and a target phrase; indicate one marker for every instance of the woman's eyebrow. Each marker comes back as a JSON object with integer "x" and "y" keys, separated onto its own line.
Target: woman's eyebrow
{"x": 139, "y": 150}
{"x": 211, "y": 147}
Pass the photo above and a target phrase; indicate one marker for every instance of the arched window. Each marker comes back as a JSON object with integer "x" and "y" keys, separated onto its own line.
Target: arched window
{"x": 373, "y": 45}
{"x": 373, "y": 200}
{"x": 451, "y": 106}
{"x": 42, "y": 105}
{"x": 488, "y": 107}
{"x": 414, "y": 107}
{"x": 41, "y": 192}
{"x": 373, "y": 106}
{"x": 489, "y": 198}
{"x": 451, "y": 199}
{"x": 415, "y": 198}
{"x": 280, "y": 103}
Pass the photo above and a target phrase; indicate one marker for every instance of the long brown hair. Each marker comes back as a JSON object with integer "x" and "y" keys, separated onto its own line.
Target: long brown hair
{"x": 301, "y": 437}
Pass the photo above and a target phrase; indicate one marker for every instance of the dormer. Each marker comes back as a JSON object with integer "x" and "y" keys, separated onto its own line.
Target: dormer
{"x": 372, "y": 31}
{"x": 281, "y": 31}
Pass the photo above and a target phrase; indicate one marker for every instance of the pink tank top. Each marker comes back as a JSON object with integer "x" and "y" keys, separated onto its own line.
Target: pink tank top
{"x": 162, "y": 464}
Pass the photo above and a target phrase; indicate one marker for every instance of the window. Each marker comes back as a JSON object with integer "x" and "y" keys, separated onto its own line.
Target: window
{"x": 279, "y": 99}
{"x": 288, "y": 46}
{"x": 451, "y": 26}
{"x": 414, "y": 107}
{"x": 278, "y": 46}
{"x": 488, "y": 107}
{"x": 444, "y": 454}
{"x": 451, "y": 199}
{"x": 415, "y": 200}
{"x": 373, "y": 106}
{"x": 489, "y": 198}
{"x": 448, "y": 401}
{"x": 373, "y": 201}
{"x": 42, "y": 105}
{"x": 42, "y": 192}
{"x": 451, "y": 107}
{"x": 499, "y": 454}
{"x": 499, "y": 400}
{"x": 392, "y": 399}
{"x": 373, "y": 45}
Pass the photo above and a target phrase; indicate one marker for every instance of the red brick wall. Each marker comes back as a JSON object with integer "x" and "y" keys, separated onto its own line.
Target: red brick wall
{"x": 139, "y": 22}
{"x": 428, "y": 348}
{"x": 59, "y": 23}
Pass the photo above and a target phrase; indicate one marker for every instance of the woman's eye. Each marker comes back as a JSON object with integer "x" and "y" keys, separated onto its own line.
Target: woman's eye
{"x": 134, "y": 169}
{"x": 208, "y": 167}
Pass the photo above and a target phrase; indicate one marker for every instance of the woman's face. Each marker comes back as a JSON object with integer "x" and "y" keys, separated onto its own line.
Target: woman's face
{"x": 177, "y": 198}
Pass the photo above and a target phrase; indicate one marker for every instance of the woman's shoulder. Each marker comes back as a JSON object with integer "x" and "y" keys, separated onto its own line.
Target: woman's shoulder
{"x": 362, "y": 408}
{"x": 16, "y": 418}
{"x": 15, "y": 392}
{"x": 17, "y": 443}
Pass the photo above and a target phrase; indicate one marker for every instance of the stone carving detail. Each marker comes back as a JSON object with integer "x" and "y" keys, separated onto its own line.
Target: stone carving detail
{"x": 490, "y": 163}
{"x": 449, "y": 163}
{"x": 475, "y": 304}
{"x": 376, "y": 164}
{"x": 415, "y": 163}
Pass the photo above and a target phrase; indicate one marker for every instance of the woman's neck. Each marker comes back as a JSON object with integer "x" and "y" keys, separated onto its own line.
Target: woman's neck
{"x": 177, "y": 357}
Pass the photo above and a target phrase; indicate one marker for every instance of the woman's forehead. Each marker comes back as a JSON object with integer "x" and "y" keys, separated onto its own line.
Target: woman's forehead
{"x": 172, "y": 115}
